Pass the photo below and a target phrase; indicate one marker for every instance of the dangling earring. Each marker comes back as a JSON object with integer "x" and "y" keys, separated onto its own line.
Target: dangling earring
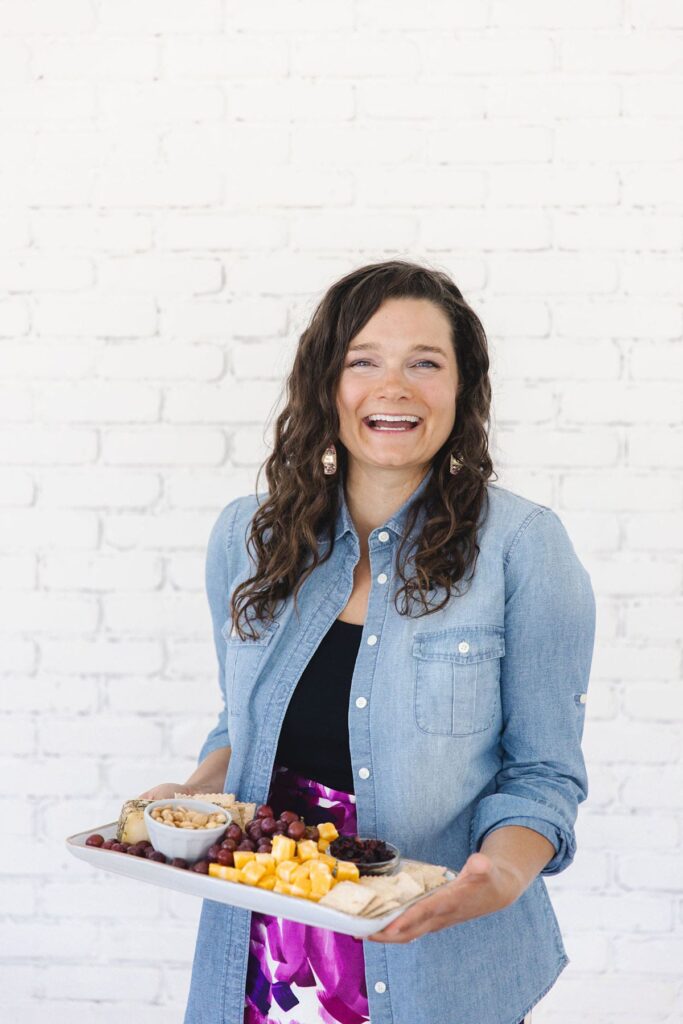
{"x": 329, "y": 460}
{"x": 456, "y": 464}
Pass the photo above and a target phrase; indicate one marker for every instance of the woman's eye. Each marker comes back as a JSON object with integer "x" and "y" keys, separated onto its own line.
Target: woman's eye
{"x": 357, "y": 362}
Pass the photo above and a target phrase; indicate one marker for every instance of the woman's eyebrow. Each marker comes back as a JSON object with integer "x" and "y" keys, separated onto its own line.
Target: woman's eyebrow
{"x": 370, "y": 346}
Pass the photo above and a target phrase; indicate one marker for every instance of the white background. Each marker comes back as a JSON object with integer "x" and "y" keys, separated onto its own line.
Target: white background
{"x": 179, "y": 183}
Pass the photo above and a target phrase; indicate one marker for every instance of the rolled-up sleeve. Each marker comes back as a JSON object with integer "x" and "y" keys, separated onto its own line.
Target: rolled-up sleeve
{"x": 549, "y": 637}
{"x": 217, "y": 577}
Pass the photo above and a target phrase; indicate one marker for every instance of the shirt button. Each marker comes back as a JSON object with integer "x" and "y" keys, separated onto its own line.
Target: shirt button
{"x": 361, "y": 702}
{"x": 383, "y": 536}
{"x": 463, "y": 647}
{"x": 380, "y": 987}
{"x": 364, "y": 773}
{"x": 372, "y": 639}
{"x": 382, "y": 578}
{"x": 583, "y": 698}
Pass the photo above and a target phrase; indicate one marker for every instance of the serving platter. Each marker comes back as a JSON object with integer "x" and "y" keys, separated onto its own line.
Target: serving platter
{"x": 235, "y": 894}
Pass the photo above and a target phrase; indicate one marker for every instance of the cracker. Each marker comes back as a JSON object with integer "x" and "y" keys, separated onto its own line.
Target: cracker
{"x": 429, "y": 876}
{"x": 241, "y": 812}
{"x": 380, "y": 907}
{"x": 350, "y": 897}
{"x": 248, "y": 812}
{"x": 401, "y": 886}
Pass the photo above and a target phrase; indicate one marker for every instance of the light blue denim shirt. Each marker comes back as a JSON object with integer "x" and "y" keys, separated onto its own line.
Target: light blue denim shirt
{"x": 473, "y": 721}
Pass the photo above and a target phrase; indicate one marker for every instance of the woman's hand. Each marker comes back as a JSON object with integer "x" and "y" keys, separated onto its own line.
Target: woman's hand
{"x": 482, "y": 887}
{"x": 168, "y": 789}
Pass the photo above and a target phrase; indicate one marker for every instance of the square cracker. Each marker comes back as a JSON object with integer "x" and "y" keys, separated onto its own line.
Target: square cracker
{"x": 430, "y": 876}
{"x": 401, "y": 886}
{"x": 349, "y": 897}
{"x": 379, "y": 907}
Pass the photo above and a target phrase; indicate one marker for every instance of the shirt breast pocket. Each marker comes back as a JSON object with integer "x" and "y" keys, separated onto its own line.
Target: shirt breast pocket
{"x": 242, "y": 662}
{"x": 457, "y": 679}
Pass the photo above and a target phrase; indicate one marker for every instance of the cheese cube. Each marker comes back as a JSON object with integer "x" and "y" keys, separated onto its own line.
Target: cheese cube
{"x": 253, "y": 873}
{"x": 285, "y": 869}
{"x": 283, "y": 848}
{"x": 267, "y": 860}
{"x": 301, "y": 872}
{"x": 318, "y": 867}
{"x": 327, "y": 831}
{"x": 242, "y": 858}
{"x": 302, "y": 888}
{"x": 320, "y": 884}
{"x": 347, "y": 871}
{"x": 224, "y": 872}
{"x": 307, "y": 849}
{"x": 267, "y": 882}
{"x": 323, "y": 845}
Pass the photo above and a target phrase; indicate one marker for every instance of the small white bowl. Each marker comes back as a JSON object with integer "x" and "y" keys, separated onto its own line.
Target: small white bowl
{"x": 189, "y": 843}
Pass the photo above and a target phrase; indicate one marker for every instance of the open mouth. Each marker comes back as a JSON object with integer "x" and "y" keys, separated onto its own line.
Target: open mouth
{"x": 394, "y": 426}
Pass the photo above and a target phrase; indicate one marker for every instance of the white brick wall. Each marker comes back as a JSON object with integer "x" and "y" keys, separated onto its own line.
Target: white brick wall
{"x": 178, "y": 185}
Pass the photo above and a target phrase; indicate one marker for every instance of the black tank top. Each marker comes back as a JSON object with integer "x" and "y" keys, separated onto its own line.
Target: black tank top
{"x": 314, "y": 739}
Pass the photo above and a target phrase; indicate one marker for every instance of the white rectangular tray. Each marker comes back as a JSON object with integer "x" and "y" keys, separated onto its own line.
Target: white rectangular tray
{"x": 248, "y": 897}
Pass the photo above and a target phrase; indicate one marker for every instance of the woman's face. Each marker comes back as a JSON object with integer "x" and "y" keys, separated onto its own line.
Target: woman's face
{"x": 401, "y": 363}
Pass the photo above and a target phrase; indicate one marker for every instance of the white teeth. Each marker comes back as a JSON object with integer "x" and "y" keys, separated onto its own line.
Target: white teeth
{"x": 394, "y": 419}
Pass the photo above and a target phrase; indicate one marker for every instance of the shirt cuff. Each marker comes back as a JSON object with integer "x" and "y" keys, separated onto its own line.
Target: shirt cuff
{"x": 500, "y": 809}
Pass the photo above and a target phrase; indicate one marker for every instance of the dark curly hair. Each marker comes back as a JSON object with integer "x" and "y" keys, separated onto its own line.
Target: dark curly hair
{"x": 303, "y": 501}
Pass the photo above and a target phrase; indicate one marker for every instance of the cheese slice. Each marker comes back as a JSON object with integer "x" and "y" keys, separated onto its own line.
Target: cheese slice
{"x": 131, "y": 826}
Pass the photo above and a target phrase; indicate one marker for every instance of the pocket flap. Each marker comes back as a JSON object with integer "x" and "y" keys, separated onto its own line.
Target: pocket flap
{"x": 461, "y": 644}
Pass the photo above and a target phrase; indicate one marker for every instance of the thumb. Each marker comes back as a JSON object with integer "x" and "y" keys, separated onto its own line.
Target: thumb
{"x": 477, "y": 865}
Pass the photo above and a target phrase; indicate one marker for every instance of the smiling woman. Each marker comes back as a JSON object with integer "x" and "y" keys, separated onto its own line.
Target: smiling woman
{"x": 445, "y": 723}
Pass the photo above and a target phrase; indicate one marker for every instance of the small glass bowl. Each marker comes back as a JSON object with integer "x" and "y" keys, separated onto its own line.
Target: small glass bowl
{"x": 380, "y": 867}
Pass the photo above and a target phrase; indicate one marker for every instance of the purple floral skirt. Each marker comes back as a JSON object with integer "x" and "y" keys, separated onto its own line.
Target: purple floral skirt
{"x": 299, "y": 974}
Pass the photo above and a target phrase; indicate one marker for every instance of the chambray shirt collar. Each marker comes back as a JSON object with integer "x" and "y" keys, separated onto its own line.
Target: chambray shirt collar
{"x": 397, "y": 522}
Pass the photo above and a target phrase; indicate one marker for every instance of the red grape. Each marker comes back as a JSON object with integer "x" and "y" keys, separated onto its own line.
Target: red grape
{"x": 268, "y": 826}
{"x": 234, "y": 831}
{"x": 264, "y": 811}
{"x": 94, "y": 840}
{"x": 225, "y": 857}
{"x": 247, "y": 844}
{"x": 178, "y": 862}
{"x": 289, "y": 817}
{"x": 297, "y": 830}
{"x": 255, "y": 830}
{"x": 201, "y": 867}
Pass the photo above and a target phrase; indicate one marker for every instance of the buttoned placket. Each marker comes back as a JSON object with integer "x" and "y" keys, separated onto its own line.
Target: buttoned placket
{"x": 361, "y": 703}
{"x": 379, "y": 550}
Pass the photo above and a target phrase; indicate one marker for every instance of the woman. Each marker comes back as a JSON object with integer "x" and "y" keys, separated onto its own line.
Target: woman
{"x": 418, "y": 672}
